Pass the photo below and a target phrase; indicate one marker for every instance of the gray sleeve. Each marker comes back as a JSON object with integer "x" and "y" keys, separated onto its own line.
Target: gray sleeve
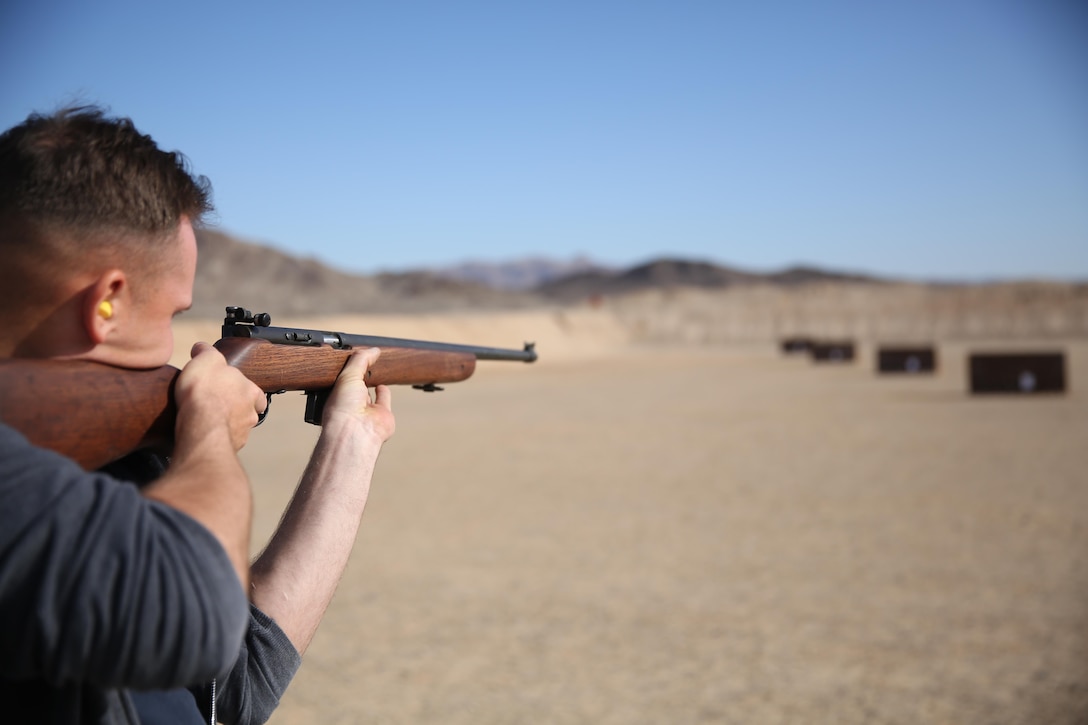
{"x": 108, "y": 587}
{"x": 265, "y": 667}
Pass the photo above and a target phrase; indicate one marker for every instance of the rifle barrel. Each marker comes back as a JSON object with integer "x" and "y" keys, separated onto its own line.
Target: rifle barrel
{"x": 344, "y": 340}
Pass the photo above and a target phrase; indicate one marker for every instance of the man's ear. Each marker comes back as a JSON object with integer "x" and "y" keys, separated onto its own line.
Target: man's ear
{"x": 105, "y": 305}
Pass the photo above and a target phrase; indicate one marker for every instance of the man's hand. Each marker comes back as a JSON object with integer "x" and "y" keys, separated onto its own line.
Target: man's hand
{"x": 350, "y": 400}
{"x": 213, "y": 397}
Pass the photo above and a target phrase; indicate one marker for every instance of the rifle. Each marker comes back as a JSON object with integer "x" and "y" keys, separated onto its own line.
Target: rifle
{"x": 40, "y": 397}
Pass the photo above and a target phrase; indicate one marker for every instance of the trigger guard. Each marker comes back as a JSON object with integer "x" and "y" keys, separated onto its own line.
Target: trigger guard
{"x": 264, "y": 414}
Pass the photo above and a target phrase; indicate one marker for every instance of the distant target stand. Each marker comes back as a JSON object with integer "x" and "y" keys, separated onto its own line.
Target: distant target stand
{"x": 1021, "y": 373}
{"x": 907, "y": 359}
{"x": 821, "y": 351}
{"x": 832, "y": 351}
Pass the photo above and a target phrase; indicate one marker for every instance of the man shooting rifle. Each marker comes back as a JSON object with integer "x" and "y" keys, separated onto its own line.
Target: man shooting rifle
{"x": 119, "y": 602}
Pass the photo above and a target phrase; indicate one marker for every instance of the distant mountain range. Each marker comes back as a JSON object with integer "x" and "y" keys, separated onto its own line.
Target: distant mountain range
{"x": 666, "y": 273}
{"x": 518, "y": 274}
{"x": 234, "y": 272}
{"x": 581, "y": 277}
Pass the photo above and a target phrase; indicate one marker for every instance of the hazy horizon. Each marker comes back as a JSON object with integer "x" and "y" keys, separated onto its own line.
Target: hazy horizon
{"x": 619, "y": 267}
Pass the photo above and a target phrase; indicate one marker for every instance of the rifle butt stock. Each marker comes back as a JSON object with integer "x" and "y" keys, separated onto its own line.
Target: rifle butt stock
{"x": 87, "y": 411}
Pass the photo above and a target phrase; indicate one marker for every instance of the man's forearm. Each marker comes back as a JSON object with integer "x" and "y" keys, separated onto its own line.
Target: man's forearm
{"x": 217, "y": 407}
{"x": 210, "y": 485}
{"x": 295, "y": 577}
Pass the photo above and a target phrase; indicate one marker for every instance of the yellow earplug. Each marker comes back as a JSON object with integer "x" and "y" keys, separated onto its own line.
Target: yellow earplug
{"x": 105, "y": 310}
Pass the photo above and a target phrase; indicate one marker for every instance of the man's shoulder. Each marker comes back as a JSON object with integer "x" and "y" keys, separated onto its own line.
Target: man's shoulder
{"x": 20, "y": 458}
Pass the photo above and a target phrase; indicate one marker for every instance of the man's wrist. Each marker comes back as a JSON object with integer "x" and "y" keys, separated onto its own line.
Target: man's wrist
{"x": 341, "y": 427}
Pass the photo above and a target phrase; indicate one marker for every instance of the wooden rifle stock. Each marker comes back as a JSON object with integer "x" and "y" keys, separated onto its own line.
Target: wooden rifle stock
{"x": 275, "y": 368}
{"x": 90, "y": 412}
{"x": 95, "y": 413}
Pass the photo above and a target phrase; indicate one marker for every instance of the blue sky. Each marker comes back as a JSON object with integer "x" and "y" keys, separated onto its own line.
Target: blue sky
{"x": 927, "y": 139}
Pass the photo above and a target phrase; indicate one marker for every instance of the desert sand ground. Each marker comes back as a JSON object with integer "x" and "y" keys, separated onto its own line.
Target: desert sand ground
{"x": 635, "y": 533}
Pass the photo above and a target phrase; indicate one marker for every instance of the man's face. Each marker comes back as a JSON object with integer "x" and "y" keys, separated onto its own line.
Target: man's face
{"x": 147, "y": 339}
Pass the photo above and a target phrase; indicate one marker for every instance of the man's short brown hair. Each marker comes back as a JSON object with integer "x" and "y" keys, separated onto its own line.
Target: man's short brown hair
{"x": 79, "y": 169}
{"x": 80, "y": 189}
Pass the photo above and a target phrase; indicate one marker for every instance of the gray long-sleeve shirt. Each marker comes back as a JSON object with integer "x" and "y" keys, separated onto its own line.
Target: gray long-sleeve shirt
{"x": 103, "y": 590}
